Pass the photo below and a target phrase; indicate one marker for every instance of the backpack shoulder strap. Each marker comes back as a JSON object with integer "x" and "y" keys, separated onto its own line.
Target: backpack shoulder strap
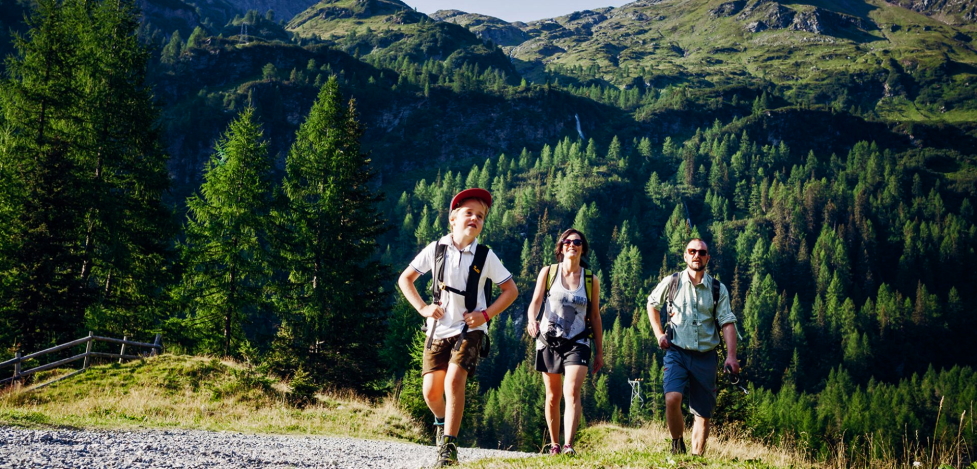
{"x": 550, "y": 277}
{"x": 716, "y": 284}
{"x": 588, "y": 278}
{"x": 437, "y": 274}
{"x": 673, "y": 288}
{"x": 474, "y": 274}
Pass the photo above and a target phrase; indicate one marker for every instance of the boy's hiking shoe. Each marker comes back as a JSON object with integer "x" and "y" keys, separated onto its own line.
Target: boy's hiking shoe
{"x": 447, "y": 454}
{"x": 554, "y": 449}
{"x": 678, "y": 446}
{"x": 568, "y": 450}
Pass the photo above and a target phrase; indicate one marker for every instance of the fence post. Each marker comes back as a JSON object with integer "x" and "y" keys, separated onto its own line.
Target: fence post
{"x": 17, "y": 365}
{"x": 158, "y": 345}
{"x": 123, "y": 351}
{"x": 88, "y": 350}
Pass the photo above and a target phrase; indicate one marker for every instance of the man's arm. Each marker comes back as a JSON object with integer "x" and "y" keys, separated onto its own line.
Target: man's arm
{"x": 656, "y": 325}
{"x": 729, "y": 335}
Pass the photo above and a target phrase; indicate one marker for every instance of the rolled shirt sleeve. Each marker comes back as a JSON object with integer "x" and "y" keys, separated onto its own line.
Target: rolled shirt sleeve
{"x": 657, "y": 297}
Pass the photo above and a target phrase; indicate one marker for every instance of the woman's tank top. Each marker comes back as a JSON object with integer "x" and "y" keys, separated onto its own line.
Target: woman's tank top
{"x": 564, "y": 311}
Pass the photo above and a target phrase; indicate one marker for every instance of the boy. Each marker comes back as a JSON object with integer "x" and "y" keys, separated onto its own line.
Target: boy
{"x": 455, "y": 334}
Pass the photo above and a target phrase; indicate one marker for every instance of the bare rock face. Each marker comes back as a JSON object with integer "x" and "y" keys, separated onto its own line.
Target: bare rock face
{"x": 771, "y": 14}
{"x": 762, "y": 15}
{"x": 809, "y": 21}
{"x": 728, "y": 9}
{"x": 487, "y": 28}
{"x": 952, "y": 12}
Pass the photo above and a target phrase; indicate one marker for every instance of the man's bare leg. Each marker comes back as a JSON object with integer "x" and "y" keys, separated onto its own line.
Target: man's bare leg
{"x": 673, "y": 414}
{"x": 700, "y": 432}
{"x": 675, "y": 421}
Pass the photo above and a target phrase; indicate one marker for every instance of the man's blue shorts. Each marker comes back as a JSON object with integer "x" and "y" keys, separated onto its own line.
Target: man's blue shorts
{"x": 695, "y": 372}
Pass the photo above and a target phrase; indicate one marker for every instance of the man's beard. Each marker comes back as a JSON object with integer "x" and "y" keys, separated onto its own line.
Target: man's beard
{"x": 700, "y": 268}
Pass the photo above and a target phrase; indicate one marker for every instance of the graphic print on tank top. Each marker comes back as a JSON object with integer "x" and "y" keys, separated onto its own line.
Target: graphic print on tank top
{"x": 569, "y": 320}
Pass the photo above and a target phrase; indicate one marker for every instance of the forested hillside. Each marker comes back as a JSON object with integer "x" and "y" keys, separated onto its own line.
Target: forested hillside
{"x": 269, "y": 176}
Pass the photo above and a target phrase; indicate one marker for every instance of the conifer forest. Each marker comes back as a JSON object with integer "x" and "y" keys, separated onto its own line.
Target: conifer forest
{"x": 250, "y": 185}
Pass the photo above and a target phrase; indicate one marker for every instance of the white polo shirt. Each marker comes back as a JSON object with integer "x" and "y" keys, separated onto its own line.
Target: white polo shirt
{"x": 456, "y": 265}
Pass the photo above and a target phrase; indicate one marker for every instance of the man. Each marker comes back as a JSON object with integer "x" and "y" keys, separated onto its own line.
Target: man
{"x": 455, "y": 333}
{"x": 690, "y": 341}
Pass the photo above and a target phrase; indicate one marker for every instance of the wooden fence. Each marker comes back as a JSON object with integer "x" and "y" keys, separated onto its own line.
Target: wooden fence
{"x": 18, "y": 375}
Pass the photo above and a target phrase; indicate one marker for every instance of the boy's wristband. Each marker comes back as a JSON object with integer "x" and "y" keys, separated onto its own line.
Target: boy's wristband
{"x": 485, "y": 313}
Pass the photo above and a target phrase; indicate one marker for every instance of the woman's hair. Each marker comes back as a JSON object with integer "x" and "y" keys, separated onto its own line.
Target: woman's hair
{"x": 558, "y": 251}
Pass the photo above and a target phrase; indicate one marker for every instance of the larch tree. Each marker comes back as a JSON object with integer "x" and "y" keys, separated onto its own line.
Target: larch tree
{"x": 226, "y": 252}
{"x": 334, "y": 292}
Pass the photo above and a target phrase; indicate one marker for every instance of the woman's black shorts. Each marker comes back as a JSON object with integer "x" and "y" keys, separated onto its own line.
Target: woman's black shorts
{"x": 555, "y": 359}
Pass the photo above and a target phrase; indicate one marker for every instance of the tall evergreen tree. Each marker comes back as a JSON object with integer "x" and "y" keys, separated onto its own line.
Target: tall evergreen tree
{"x": 226, "y": 250}
{"x": 334, "y": 291}
{"x": 86, "y": 172}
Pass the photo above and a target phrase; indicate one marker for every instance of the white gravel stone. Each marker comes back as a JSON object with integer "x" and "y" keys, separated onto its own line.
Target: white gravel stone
{"x": 165, "y": 449}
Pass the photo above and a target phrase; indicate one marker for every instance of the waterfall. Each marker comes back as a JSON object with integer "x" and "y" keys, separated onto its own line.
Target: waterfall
{"x": 579, "y": 131}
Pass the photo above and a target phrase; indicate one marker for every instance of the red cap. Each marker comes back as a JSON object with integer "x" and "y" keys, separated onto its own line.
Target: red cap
{"x": 474, "y": 193}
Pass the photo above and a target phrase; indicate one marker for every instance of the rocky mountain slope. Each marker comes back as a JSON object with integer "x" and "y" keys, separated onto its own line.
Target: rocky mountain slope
{"x": 892, "y": 61}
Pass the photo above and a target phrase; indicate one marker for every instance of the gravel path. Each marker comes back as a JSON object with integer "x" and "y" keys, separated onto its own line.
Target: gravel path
{"x": 49, "y": 449}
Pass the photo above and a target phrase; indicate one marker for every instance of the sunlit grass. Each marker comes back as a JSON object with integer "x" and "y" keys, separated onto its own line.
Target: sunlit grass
{"x": 205, "y": 393}
{"x": 612, "y": 446}
{"x": 198, "y": 393}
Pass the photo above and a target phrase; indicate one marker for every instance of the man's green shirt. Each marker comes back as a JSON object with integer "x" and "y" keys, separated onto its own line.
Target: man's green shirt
{"x": 691, "y": 317}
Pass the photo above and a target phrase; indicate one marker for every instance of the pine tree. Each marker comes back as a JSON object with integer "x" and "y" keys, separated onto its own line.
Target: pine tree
{"x": 226, "y": 253}
{"x": 334, "y": 287}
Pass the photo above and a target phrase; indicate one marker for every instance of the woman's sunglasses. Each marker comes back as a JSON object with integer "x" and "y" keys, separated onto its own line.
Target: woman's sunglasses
{"x": 575, "y": 242}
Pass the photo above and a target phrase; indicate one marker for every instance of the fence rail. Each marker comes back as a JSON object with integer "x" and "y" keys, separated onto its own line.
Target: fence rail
{"x": 18, "y": 375}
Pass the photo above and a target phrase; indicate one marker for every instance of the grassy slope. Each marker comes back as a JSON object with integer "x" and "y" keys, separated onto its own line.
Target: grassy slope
{"x": 199, "y": 393}
{"x": 209, "y": 394}
{"x": 337, "y": 18}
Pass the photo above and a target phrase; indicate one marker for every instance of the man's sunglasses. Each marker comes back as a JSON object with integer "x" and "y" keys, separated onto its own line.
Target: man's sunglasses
{"x": 575, "y": 242}
{"x": 700, "y": 252}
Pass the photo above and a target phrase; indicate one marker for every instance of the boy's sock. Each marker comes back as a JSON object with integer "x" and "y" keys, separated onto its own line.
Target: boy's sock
{"x": 438, "y": 431}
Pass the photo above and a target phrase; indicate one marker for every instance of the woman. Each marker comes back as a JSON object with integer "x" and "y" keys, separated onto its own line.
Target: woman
{"x": 568, "y": 296}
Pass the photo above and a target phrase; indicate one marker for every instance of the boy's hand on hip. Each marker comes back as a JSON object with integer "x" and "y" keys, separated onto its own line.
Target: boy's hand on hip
{"x": 474, "y": 319}
{"x": 432, "y": 311}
